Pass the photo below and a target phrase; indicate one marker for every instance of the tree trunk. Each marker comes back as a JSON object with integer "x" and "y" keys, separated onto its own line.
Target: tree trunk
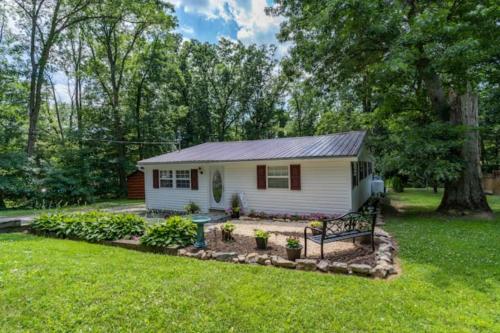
{"x": 466, "y": 194}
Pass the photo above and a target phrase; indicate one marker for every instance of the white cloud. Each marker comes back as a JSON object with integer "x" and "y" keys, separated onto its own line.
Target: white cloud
{"x": 254, "y": 26}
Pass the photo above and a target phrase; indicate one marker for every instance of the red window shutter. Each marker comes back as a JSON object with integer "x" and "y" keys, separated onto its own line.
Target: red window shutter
{"x": 156, "y": 178}
{"x": 295, "y": 177}
{"x": 194, "y": 179}
{"x": 261, "y": 177}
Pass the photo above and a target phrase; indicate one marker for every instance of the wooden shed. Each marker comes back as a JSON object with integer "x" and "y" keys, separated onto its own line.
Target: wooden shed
{"x": 135, "y": 185}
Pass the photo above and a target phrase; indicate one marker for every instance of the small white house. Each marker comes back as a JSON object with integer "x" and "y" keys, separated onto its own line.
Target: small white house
{"x": 326, "y": 174}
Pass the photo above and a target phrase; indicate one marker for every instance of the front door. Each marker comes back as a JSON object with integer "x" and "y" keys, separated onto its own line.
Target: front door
{"x": 217, "y": 187}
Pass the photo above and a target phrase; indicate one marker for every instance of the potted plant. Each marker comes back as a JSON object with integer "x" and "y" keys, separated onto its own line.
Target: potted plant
{"x": 293, "y": 248}
{"x": 227, "y": 231}
{"x": 261, "y": 237}
{"x": 316, "y": 227}
{"x": 192, "y": 208}
{"x": 235, "y": 207}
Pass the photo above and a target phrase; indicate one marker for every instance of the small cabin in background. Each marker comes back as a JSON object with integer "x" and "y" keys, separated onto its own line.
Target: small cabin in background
{"x": 491, "y": 182}
{"x": 135, "y": 185}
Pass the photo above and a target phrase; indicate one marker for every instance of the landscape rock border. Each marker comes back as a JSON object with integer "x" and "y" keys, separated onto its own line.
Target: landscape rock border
{"x": 385, "y": 251}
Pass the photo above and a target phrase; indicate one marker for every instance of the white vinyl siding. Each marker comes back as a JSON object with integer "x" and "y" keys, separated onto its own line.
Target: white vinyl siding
{"x": 362, "y": 191}
{"x": 175, "y": 198}
{"x": 325, "y": 187}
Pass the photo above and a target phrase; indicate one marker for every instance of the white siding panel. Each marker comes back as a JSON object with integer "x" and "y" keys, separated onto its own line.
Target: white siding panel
{"x": 362, "y": 192}
{"x": 172, "y": 198}
{"x": 325, "y": 187}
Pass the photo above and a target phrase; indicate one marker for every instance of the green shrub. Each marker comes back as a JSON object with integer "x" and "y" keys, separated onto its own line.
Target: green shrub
{"x": 293, "y": 243}
{"x": 192, "y": 208}
{"x": 262, "y": 234}
{"x": 235, "y": 202}
{"x": 228, "y": 226}
{"x": 397, "y": 184}
{"x": 92, "y": 226}
{"x": 176, "y": 230}
{"x": 316, "y": 224}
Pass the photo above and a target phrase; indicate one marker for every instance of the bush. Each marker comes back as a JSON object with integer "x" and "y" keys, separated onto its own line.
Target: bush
{"x": 228, "y": 226}
{"x": 316, "y": 224}
{"x": 176, "y": 230}
{"x": 262, "y": 234}
{"x": 293, "y": 243}
{"x": 192, "y": 208}
{"x": 235, "y": 202}
{"x": 397, "y": 184}
{"x": 92, "y": 226}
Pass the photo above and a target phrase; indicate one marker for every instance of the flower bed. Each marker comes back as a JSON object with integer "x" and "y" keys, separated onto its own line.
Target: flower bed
{"x": 379, "y": 264}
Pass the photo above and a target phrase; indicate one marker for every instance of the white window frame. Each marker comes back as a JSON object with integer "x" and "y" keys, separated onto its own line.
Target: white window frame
{"x": 287, "y": 177}
{"x": 186, "y": 178}
{"x": 166, "y": 175}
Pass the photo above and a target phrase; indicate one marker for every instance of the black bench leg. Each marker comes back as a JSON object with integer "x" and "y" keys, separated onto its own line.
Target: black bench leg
{"x": 373, "y": 243}
{"x": 305, "y": 244}
{"x": 322, "y": 256}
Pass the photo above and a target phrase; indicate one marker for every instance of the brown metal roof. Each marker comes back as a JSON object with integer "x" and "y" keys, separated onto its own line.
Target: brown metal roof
{"x": 322, "y": 146}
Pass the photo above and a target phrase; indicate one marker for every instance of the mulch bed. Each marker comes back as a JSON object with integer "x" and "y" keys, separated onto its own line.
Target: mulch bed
{"x": 245, "y": 244}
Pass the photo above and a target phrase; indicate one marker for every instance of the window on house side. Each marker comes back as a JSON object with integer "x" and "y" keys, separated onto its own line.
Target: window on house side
{"x": 166, "y": 178}
{"x": 182, "y": 179}
{"x": 277, "y": 177}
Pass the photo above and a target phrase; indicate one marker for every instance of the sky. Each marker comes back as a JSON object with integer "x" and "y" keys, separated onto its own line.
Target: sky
{"x": 244, "y": 20}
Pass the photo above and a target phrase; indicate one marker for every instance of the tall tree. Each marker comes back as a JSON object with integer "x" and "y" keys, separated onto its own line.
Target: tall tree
{"x": 112, "y": 42}
{"x": 43, "y": 22}
{"x": 439, "y": 46}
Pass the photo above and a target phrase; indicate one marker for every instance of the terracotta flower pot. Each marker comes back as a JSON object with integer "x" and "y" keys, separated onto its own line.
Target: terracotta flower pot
{"x": 261, "y": 243}
{"x": 293, "y": 253}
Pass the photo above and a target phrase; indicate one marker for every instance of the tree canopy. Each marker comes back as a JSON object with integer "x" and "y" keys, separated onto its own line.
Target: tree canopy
{"x": 409, "y": 72}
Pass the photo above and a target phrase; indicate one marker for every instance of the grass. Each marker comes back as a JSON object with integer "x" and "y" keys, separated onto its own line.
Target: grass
{"x": 450, "y": 283}
{"x": 110, "y": 203}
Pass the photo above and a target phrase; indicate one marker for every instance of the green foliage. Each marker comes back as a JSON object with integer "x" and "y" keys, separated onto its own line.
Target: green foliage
{"x": 176, "y": 230}
{"x": 192, "y": 208}
{"x": 228, "y": 227}
{"x": 262, "y": 234}
{"x": 316, "y": 224}
{"x": 93, "y": 226}
{"x": 397, "y": 184}
{"x": 235, "y": 201}
{"x": 293, "y": 243}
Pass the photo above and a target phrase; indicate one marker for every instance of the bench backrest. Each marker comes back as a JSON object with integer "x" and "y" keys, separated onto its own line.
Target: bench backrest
{"x": 350, "y": 222}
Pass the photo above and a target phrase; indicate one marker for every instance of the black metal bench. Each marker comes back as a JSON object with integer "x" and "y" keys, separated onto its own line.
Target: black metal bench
{"x": 349, "y": 226}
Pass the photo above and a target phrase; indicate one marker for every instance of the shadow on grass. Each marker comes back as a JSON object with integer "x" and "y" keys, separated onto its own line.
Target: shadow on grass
{"x": 19, "y": 237}
{"x": 447, "y": 250}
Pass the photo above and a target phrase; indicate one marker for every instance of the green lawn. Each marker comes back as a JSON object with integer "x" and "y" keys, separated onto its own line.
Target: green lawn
{"x": 450, "y": 283}
{"x": 110, "y": 203}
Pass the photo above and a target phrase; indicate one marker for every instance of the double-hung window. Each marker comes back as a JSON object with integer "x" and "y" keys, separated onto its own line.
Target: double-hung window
{"x": 182, "y": 179}
{"x": 277, "y": 177}
{"x": 166, "y": 178}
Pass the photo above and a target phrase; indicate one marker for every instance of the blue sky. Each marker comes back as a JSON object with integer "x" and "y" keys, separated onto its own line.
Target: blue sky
{"x": 244, "y": 20}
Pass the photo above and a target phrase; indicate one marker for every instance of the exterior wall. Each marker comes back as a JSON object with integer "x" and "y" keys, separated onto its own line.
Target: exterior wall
{"x": 362, "y": 192}
{"x": 174, "y": 198}
{"x": 325, "y": 187}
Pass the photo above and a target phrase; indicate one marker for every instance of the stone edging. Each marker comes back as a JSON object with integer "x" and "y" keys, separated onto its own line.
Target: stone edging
{"x": 384, "y": 259}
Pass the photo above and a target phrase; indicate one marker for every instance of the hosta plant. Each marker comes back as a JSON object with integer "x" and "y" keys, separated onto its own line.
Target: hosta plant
{"x": 176, "y": 230}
